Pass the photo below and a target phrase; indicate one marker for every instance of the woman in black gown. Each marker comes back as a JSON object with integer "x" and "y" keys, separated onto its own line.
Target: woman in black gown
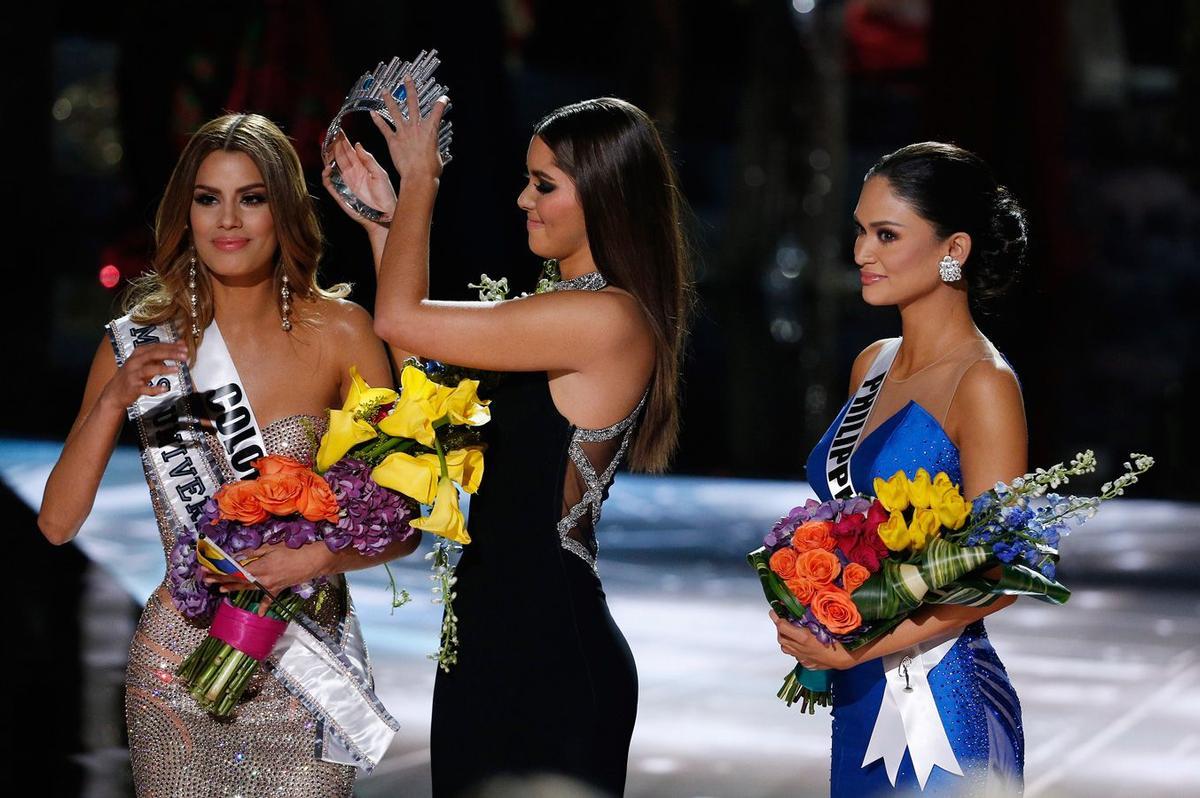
{"x": 545, "y": 682}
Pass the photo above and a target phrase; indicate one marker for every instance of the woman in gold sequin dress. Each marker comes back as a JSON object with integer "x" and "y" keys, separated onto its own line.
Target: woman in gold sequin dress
{"x": 237, "y": 214}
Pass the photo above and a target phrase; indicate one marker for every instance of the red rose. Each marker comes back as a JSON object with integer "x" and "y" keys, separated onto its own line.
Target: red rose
{"x": 868, "y": 551}
{"x": 876, "y": 515}
{"x": 850, "y": 526}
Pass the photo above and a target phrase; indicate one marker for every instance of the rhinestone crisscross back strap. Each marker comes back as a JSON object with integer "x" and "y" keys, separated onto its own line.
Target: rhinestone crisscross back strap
{"x": 595, "y": 482}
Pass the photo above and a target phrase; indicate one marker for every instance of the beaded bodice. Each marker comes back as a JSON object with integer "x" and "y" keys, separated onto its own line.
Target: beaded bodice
{"x": 295, "y": 436}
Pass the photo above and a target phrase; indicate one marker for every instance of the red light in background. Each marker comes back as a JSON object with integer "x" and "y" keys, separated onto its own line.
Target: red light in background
{"x": 109, "y": 276}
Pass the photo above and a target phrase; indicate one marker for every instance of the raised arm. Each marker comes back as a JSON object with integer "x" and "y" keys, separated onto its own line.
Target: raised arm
{"x": 370, "y": 182}
{"x": 71, "y": 489}
{"x": 567, "y": 331}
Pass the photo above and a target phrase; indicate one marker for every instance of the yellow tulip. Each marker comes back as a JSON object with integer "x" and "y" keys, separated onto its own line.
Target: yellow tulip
{"x": 361, "y": 394}
{"x": 894, "y": 532}
{"x": 445, "y": 519}
{"x": 951, "y": 508}
{"x": 893, "y": 493}
{"x": 465, "y": 467}
{"x": 920, "y": 489}
{"x": 464, "y": 406}
{"x": 416, "y": 477}
{"x": 924, "y": 528}
{"x": 344, "y": 433}
{"x": 941, "y": 482}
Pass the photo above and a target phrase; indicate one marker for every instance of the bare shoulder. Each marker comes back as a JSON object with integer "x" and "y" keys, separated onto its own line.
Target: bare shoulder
{"x": 863, "y": 362}
{"x": 622, "y": 310}
{"x": 989, "y": 390}
{"x": 346, "y": 321}
{"x": 612, "y": 317}
{"x": 987, "y": 422}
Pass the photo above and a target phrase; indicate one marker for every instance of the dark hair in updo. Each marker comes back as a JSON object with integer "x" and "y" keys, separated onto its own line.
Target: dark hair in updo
{"x": 956, "y": 192}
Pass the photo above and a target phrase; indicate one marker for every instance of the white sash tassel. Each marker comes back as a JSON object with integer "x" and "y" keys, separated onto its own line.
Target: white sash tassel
{"x": 908, "y": 716}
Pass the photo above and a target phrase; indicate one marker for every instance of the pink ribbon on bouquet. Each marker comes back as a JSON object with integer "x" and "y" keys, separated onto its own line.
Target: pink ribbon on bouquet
{"x": 248, "y": 632}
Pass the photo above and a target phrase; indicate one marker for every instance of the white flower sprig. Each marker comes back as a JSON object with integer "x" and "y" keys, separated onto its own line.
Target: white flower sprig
{"x": 443, "y": 593}
{"x": 491, "y": 290}
{"x": 1037, "y": 484}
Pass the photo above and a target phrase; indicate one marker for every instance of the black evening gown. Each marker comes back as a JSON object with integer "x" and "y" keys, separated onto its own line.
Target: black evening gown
{"x": 545, "y": 682}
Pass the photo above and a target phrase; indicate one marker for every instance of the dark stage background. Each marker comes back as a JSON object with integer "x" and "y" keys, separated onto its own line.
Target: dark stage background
{"x": 773, "y": 110}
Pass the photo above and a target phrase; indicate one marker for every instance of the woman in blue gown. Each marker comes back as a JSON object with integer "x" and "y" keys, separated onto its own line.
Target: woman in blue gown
{"x": 933, "y": 230}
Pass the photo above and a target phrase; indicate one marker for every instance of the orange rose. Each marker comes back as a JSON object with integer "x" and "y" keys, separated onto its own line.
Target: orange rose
{"x": 280, "y": 493}
{"x": 836, "y": 611}
{"x": 317, "y": 501}
{"x": 818, "y": 566}
{"x": 239, "y": 501}
{"x": 813, "y": 535}
{"x": 277, "y": 463}
{"x": 783, "y": 563}
{"x": 802, "y": 589}
{"x": 854, "y": 575}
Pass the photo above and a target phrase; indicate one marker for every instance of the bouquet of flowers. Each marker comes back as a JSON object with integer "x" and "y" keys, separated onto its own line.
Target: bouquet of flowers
{"x": 850, "y": 570}
{"x": 422, "y": 442}
{"x": 385, "y": 454}
{"x": 289, "y": 504}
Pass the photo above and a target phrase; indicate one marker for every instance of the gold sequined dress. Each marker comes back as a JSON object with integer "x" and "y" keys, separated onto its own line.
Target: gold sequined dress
{"x": 269, "y": 747}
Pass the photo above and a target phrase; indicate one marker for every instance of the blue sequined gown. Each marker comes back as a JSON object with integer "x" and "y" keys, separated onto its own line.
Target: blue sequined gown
{"x": 977, "y": 703}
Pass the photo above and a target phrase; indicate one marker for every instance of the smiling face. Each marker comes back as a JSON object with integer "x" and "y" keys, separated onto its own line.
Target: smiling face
{"x": 554, "y": 217}
{"x": 896, "y": 250}
{"x": 230, "y": 218}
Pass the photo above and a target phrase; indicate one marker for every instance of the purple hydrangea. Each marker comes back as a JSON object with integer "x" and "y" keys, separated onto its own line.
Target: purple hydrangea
{"x": 193, "y": 598}
{"x": 812, "y": 510}
{"x": 372, "y": 517}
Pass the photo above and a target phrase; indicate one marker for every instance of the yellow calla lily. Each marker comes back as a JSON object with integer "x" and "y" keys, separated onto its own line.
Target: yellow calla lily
{"x": 344, "y": 433}
{"x": 924, "y": 528}
{"x": 894, "y": 532}
{"x": 920, "y": 489}
{"x": 893, "y": 493}
{"x": 951, "y": 508}
{"x": 417, "y": 388}
{"x": 416, "y": 477}
{"x": 445, "y": 519}
{"x": 361, "y": 394}
{"x": 465, "y": 407}
{"x": 408, "y": 419}
{"x": 465, "y": 467}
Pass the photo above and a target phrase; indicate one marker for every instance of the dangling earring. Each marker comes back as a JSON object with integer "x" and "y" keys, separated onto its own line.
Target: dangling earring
{"x": 950, "y": 270}
{"x": 285, "y": 294}
{"x": 192, "y": 299}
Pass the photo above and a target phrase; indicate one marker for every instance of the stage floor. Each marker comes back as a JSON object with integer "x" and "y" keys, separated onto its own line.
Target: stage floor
{"x": 1109, "y": 684}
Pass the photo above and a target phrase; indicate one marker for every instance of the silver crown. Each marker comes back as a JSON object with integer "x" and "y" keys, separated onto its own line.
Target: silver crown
{"x": 367, "y": 95}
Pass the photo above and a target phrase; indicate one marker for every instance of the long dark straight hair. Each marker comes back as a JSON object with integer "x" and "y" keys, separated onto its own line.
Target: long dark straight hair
{"x": 632, "y": 210}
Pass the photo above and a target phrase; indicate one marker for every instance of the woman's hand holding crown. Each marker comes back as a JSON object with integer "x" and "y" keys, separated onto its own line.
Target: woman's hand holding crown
{"x": 363, "y": 175}
{"x": 413, "y": 145}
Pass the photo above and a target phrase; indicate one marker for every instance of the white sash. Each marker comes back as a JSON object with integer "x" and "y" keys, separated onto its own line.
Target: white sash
{"x": 332, "y": 680}
{"x": 849, "y": 432}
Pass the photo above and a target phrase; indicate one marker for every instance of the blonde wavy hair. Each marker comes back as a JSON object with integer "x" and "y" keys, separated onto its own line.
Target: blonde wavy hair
{"x": 161, "y": 295}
